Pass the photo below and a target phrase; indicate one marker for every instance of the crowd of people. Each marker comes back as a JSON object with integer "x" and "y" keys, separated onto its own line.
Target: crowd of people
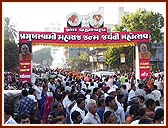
{"x": 64, "y": 97}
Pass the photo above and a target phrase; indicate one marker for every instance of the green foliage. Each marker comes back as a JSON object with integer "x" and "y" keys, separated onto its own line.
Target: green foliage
{"x": 112, "y": 58}
{"x": 141, "y": 20}
{"x": 9, "y": 30}
{"x": 74, "y": 63}
{"x": 41, "y": 55}
{"x": 84, "y": 57}
{"x": 80, "y": 63}
{"x": 11, "y": 55}
{"x": 11, "y": 50}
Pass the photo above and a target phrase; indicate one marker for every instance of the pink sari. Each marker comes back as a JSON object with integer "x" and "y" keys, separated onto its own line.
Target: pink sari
{"x": 47, "y": 108}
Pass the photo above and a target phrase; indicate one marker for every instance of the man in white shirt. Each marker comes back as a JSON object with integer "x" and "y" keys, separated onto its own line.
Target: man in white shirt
{"x": 51, "y": 85}
{"x": 68, "y": 104}
{"x": 32, "y": 94}
{"x": 92, "y": 117}
{"x": 7, "y": 115}
{"x": 156, "y": 93}
{"x": 112, "y": 106}
{"x": 131, "y": 94}
{"x": 110, "y": 81}
{"x": 128, "y": 85}
{"x": 80, "y": 108}
{"x": 91, "y": 87}
{"x": 33, "y": 77}
{"x": 120, "y": 111}
{"x": 159, "y": 84}
{"x": 38, "y": 90}
{"x": 140, "y": 91}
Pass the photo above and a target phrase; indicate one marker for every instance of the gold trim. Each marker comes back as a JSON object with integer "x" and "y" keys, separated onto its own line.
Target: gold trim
{"x": 125, "y": 44}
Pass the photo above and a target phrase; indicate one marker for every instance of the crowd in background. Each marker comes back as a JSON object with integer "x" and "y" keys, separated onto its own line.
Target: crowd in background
{"x": 65, "y": 97}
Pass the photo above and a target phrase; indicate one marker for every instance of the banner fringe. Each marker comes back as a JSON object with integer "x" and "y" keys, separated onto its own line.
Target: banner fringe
{"x": 125, "y": 44}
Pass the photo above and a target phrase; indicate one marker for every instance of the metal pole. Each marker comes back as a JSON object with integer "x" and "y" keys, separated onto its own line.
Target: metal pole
{"x": 133, "y": 61}
{"x": 137, "y": 72}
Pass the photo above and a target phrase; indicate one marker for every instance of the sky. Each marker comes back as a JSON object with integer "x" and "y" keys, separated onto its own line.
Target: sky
{"x": 28, "y": 16}
{"x": 36, "y": 16}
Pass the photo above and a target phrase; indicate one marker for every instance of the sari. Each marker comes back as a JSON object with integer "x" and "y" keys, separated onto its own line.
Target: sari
{"x": 47, "y": 108}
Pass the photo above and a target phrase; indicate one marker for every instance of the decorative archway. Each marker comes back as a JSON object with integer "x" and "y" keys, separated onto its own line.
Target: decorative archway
{"x": 81, "y": 37}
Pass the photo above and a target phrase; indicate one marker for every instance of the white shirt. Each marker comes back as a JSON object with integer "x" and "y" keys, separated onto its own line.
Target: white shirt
{"x": 156, "y": 94}
{"x": 52, "y": 86}
{"x": 91, "y": 88}
{"x": 131, "y": 94}
{"x": 140, "y": 92}
{"x": 33, "y": 78}
{"x": 67, "y": 103}
{"x": 128, "y": 86}
{"x": 118, "y": 103}
{"x": 84, "y": 86}
{"x": 120, "y": 114}
{"x": 135, "y": 122}
{"x": 159, "y": 84}
{"x": 95, "y": 84}
{"x": 32, "y": 97}
{"x": 38, "y": 92}
{"x": 110, "y": 82}
{"x": 10, "y": 121}
{"x": 44, "y": 75}
{"x": 149, "y": 96}
{"x": 82, "y": 112}
{"x": 114, "y": 86}
{"x": 91, "y": 119}
{"x": 64, "y": 101}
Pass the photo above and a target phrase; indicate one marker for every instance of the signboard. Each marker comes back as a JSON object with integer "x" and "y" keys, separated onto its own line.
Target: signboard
{"x": 25, "y": 61}
{"x": 122, "y": 58}
{"x": 100, "y": 58}
{"x": 144, "y": 66}
{"x": 79, "y": 37}
{"x": 144, "y": 60}
{"x": 83, "y": 37}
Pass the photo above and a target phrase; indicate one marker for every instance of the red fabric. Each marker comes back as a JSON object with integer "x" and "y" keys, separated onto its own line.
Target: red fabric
{"x": 47, "y": 108}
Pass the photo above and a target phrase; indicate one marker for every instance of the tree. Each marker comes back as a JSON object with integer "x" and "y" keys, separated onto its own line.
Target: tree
{"x": 41, "y": 55}
{"x": 141, "y": 20}
{"x": 11, "y": 50}
{"x": 11, "y": 55}
{"x": 112, "y": 58}
{"x": 84, "y": 61}
{"x": 9, "y": 30}
{"x": 74, "y": 65}
{"x": 80, "y": 63}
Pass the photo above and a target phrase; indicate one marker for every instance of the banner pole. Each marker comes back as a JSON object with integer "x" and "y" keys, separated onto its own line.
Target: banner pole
{"x": 137, "y": 71}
